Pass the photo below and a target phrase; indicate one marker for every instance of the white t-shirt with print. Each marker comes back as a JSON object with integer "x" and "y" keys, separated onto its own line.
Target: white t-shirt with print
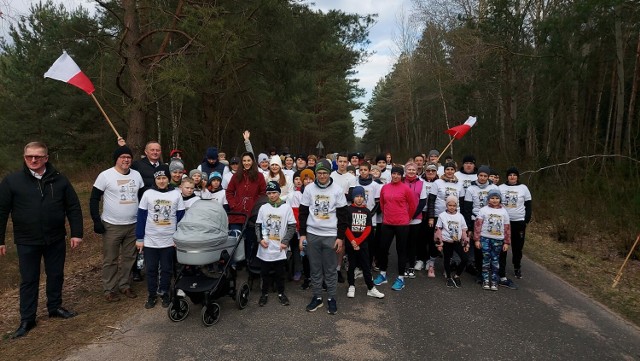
{"x": 444, "y": 189}
{"x": 452, "y": 226}
{"x": 371, "y": 193}
{"x": 513, "y": 198}
{"x": 478, "y": 196}
{"x": 345, "y": 181}
{"x": 274, "y": 223}
{"x": 322, "y": 203}
{"x": 493, "y": 221}
{"x": 465, "y": 179}
{"x": 120, "y": 196}
{"x": 161, "y": 210}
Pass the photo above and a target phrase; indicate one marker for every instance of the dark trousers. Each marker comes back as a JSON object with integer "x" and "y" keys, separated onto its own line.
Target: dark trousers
{"x": 401, "y": 234}
{"x": 29, "y": 258}
{"x": 161, "y": 258}
{"x": 375, "y": 242}
{"x": 412, "y": 243}
{"x": 447, "y": 250}
{"x": 359, "y": 258}
{"x": 273, "y": 271}
{"x": 518, "y": 229}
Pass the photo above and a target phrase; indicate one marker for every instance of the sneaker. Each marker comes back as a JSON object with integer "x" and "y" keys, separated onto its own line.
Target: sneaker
{"x": 380, "y": 280}
{"x": 431, "y": 273}
{"x": 283, "y": 299}
{"x": 518, "y": 273}
{"x": 508, "y": 284}
{"x": 457, "y": 282}
{"x": 494, "y": 287}
{"x": 263, "y": 300}
{"x": 151, "y": 302}
{"x": 332, "y": 307}
{"x": 305, "y": 284}
{"x": 373, "y": 292}
{"x": 340, "y": 277}
{"x": 315, "y": 303}
{"x": 398, "y": 284}
{"x": 411, "y": 273}
{"x": 166, "y": 300}
{"x": 357, "y": 273}
{"x": 297, "y": 276}
{"x": 450, "y": 283}
{"x": 485, "y": 285}
{"x": 351, "y": 293}
{"x": 419, "y": 265}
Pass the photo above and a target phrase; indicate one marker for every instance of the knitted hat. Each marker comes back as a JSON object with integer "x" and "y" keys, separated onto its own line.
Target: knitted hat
{"x": 484, "y": 169}
{"x": 494, "y": 172}
{"x": 357, "y": 191}
{"x": 434, "y": 153}
{"x": 234, "y": 160}
{"x": 494, "y": 193}
{"x": 262, "y": 157}
{"x": 275, "y": 160}
{"x": 195, "y": 171}
{"x": 173, "y": 153}
{"x": 215, "y": 175}
{"x": 397, "y": 169}
{"x": 469, "y": 159}
{"x": 431, "y": 166}
{"x": 307, "y": 173}
{"x": 374, "y": 167}
{"x": 380, "y": 157}
{"x": 323, "y": 165}
{"x": 212, "y": 153}
{"x": 453, "y": 199}
{"x": 513, "y": 170}
{"x": 161, "y": 170}
{"x": 450, "y": 165}
{"x": 273, "y": 186}
{"x": 176, "y": 165}
{"x": 120, "y": 151}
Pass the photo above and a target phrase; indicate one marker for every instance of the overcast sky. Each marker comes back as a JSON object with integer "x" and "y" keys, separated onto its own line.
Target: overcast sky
{"x": 382, "y": 34}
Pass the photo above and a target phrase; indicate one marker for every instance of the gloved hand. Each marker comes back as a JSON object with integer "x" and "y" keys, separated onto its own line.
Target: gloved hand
{"x": 98, "y": 227}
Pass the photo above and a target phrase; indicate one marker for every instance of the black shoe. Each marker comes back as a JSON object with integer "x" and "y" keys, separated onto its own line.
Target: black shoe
{"x": 283, "y": 300}
{"x": 62, "y": 313}
{"x": 151, "y": 302}
{"x": 166, "y": 300}
{"x": 340, "y": 278}
{"x": 263, "y": 300}
{"x": 305, "y": 284}
{"x": 518, "y": 273}
{"x": 137, "y": 277}
{"x": 24, "y": 328}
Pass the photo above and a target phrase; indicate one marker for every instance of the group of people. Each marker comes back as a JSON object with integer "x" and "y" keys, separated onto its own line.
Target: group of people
{"x": 318, "y": 208}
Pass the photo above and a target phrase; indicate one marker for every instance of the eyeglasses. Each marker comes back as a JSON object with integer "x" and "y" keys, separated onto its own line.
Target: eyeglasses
{"x": 35, "y": 157}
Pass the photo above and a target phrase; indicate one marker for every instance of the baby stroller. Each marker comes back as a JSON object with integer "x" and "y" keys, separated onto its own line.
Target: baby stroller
{"x": 206, "y": 250}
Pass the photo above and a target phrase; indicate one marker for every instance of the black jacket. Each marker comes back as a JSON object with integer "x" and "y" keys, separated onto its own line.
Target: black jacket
{"x": 146, "y": 170}
{"x": 38, "y": 207}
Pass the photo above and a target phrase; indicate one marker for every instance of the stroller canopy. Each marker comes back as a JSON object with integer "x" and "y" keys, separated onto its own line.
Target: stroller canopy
{"x": 205, "y": 222}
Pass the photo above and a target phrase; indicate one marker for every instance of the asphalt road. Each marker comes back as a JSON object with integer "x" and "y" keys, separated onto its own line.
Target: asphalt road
{"x": 546, "y": 319}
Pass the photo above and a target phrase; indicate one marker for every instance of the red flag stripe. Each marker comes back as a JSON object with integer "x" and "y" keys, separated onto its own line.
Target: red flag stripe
{"x": 82, "y": 81}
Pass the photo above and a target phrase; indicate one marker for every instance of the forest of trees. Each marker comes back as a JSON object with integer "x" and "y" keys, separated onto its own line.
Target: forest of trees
{"x": 189, "y": 73}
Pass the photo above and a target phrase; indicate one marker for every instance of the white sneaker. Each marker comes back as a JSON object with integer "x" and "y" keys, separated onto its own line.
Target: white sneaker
{"x": 351, "y": 293}
{"x": 375, "y": 293}
{"x": 419, "y": 265}
{"x": 357, "y": 273}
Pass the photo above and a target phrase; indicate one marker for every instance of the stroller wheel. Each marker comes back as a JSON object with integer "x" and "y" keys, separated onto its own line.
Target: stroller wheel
{"x": 178, "y": 310}
{"x": 242, "y": 295}
{"x": 210, "y": 314}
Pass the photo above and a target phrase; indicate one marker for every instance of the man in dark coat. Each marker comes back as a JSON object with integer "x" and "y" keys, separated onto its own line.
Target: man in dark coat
{"x": 38, "y": 199}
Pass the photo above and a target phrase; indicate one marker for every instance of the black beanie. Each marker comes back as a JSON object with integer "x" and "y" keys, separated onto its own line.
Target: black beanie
{"x": 513, "y": 170}
{"x": 397, "y": 169}
{"x": 120, "y": 151}
{"x": 469, "y": 159}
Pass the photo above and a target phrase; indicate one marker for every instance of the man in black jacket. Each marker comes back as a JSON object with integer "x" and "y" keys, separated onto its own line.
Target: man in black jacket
{"x": 38, "y": 199}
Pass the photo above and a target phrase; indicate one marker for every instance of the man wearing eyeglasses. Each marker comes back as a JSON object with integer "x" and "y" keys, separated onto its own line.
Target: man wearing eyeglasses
{"x": 38, "y": 199}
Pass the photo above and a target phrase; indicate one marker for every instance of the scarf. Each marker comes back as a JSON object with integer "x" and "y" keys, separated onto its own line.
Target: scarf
{"x": 453, "y": 178}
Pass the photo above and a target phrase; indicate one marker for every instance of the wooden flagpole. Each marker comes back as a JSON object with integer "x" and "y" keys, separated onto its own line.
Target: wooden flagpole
{"x": 106, "y": 117}
{"x": 619, "y": 275}
{"x": 447, "y": 147}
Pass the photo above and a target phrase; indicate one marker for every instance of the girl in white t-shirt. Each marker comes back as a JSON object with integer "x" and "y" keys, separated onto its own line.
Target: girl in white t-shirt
{"x": 492, "y": 233}
{"x": 451, "y": 236}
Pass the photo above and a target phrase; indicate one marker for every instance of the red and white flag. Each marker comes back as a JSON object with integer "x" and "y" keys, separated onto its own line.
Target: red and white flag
{"x": 460, "y": 130}
{"x": 66, "y": 70}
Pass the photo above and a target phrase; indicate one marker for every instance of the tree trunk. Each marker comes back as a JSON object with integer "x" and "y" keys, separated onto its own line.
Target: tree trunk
{"x": 617, "y": 135}
{"x": 632, "y": 99}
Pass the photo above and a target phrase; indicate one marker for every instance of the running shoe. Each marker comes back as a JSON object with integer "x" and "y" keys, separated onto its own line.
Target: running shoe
{"x": 332, "y": 306}
{"x": 398, "y": 284}
{"x": 283, "y": 299}
{"x": 485, "y": 285}
{"x": 411, "y": 273}
{"x": 508, "y": 284}
{"x": 351, "y": 293}
{"x": 419, "y": 265}
{"x": 457, "y": 282}
{"x": 431, "y": 273}
{"x": 380, "y": 279}
{"x": 450, "y": 283}
{"x": 373, "y": 292}
{"x": 494, "y": 287}
{"x": 263, "y": 300}
{"x": 518, "y": 273}
{"x": 357, "y": 273}
{"x": 316, "y": 302}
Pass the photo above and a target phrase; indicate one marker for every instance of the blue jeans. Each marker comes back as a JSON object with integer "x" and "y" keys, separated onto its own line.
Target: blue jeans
{"x": 161, "y": 258}
{"x": 491, "y": 249}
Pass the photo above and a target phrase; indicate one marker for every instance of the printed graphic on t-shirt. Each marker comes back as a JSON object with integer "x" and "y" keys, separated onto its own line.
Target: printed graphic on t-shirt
{"x": 450, "y": 191}
{"x": 321, "y": 206}
{"x": 453, "y": 227}
{"x": 466, "y": 183}
{"x": 359, "y": 222}
{"x": 496, "y": 225}
{"x": 511, "y": 199}
{"x": 162, "y": 212}
{"x": 482, "y": 198}
{"x": 273, "y": 227}
{"x": 128, "y": 191}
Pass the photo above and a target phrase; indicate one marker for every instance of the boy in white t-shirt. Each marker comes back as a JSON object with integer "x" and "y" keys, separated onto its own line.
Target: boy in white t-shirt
{"x": 275, "y": 227}
{"x": 187, "y": 187}
{"x": 216, "y": 192}
{"x": 492, "y": 233}
{"x": 451, "y": 236}
{"x": 160, "y": 210}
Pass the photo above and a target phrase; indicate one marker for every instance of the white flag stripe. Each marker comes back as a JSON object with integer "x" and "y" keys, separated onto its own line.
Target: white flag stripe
{"x": 471, "y": 121}
{"x": 63, "y": 69}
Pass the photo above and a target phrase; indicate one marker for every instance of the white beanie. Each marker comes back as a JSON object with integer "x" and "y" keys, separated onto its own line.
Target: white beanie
{"x": 275, "y": 160}
{"x": 262, "y": 157}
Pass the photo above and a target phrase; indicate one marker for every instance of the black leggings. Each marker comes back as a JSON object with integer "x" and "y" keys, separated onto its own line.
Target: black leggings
{"x": 360, "y": 259}
{"x": 401, "y": 234}
{"x": 270, "y": 271}
{"x": 413, "y": 241}
{"x": 447, "y": 250}
{"x": 518, "y": 229}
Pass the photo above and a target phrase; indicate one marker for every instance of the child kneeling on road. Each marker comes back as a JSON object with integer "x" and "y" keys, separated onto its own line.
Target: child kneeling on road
{"x": 275, "y": 226}
{"x": 451, "y": 229}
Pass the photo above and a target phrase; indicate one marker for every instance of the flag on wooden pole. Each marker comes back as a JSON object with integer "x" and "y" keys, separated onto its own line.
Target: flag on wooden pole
{"x": 66, "y": 70}
{"x": 460, "y": 130}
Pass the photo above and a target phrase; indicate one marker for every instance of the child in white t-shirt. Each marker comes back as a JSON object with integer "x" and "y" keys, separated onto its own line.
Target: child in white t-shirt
{"x": 187, "y": 187}
{"x": 275, "y": 226}
{"x": 451, "y": 236}
{"x": 216, "y": 192}
{"x": 492, "y": 233}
